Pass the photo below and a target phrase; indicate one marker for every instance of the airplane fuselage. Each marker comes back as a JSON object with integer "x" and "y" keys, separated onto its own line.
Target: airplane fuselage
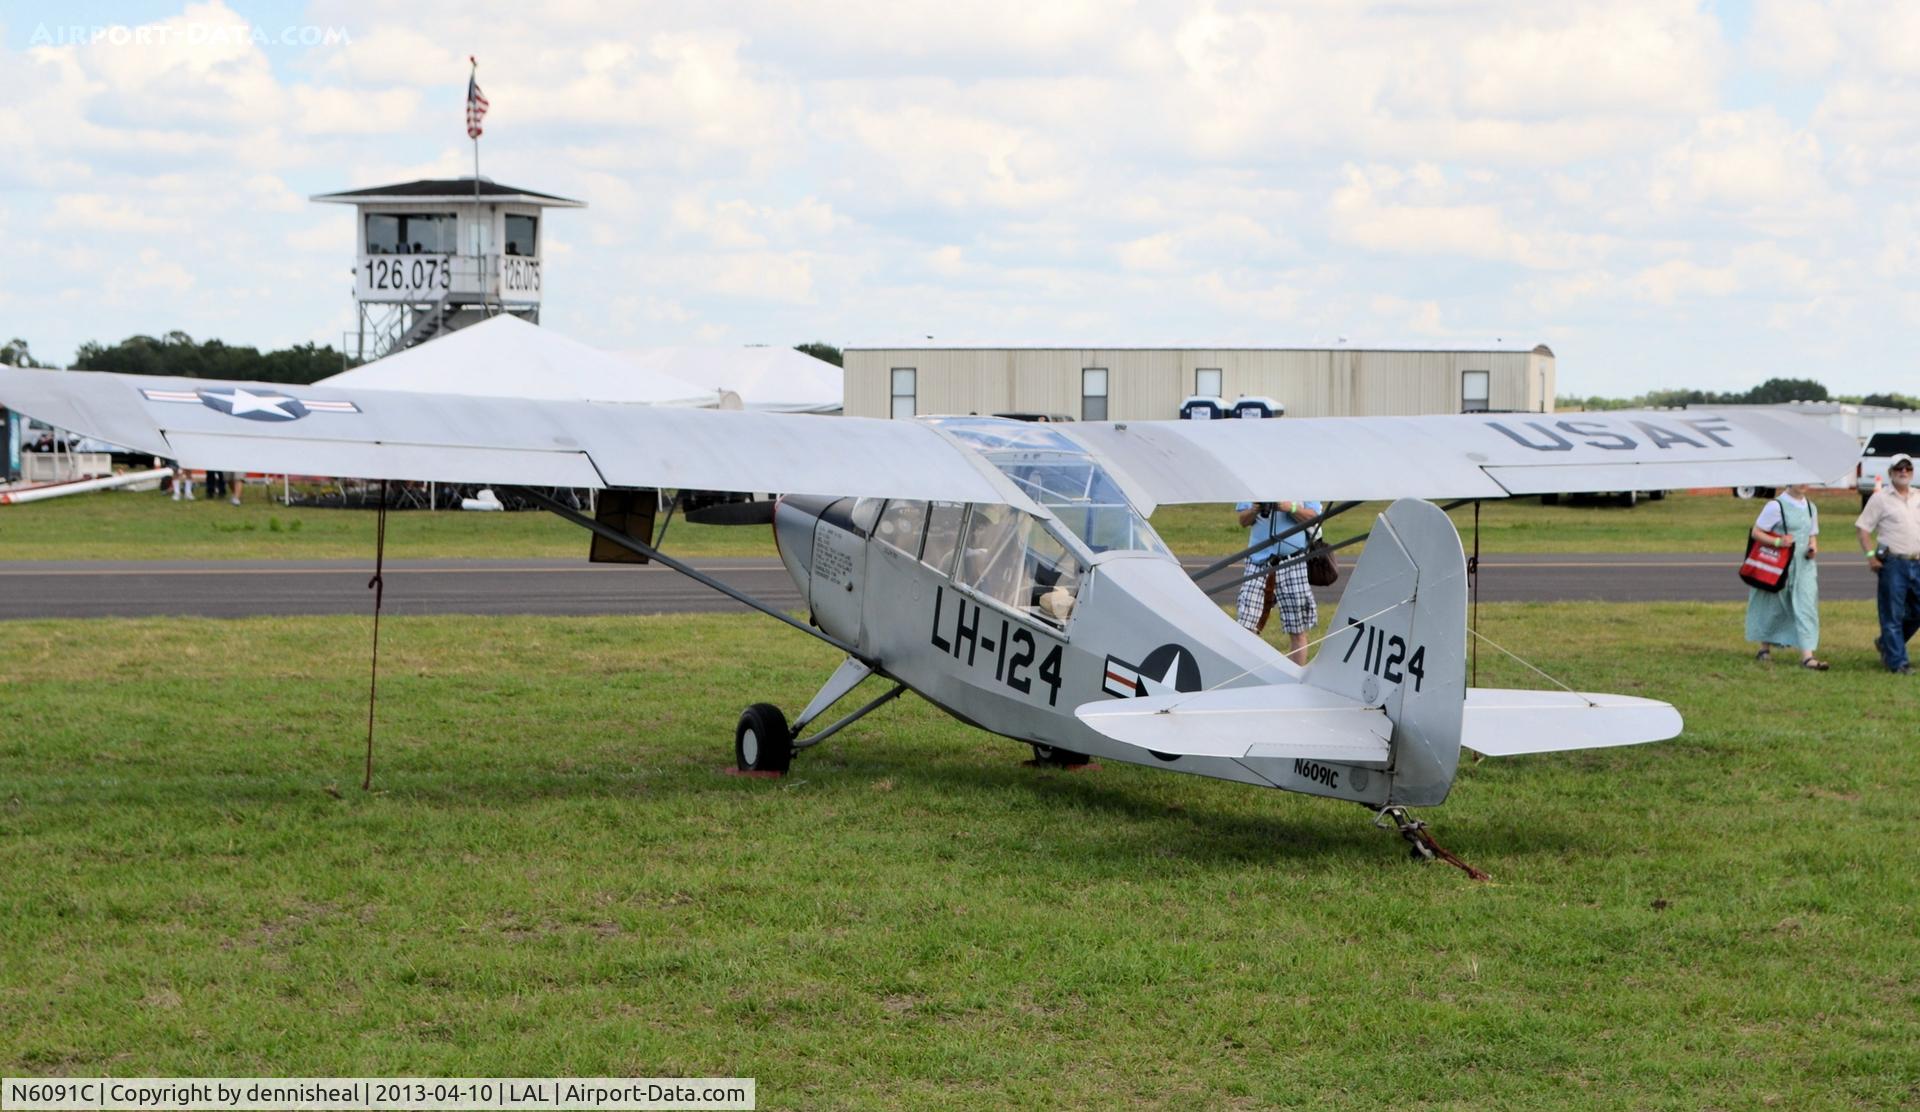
{"x": 1137, "y": 626}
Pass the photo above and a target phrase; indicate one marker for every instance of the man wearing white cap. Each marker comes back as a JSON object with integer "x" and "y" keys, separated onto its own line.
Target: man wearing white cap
{"x": 1893, "y": 516}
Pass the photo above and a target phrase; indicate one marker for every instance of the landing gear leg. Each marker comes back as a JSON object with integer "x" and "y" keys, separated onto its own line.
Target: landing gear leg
{"x": 765, "y": 743}
{"x": 1421, "y": 839}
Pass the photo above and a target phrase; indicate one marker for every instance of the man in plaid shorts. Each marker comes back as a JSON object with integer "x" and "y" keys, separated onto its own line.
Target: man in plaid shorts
{"x": 1286, "y": 584}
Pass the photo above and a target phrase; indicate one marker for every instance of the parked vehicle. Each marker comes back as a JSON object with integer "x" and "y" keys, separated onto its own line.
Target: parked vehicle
{"x": 1871, "y": 471}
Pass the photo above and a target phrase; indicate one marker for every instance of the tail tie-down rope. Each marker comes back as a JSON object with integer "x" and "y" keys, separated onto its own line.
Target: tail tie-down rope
{"x": 1421, "y": 839}
{"x": 378, "y": 586}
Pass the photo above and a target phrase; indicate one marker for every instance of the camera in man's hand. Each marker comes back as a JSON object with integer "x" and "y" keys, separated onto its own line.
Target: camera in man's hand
{"x": 1268, "y": 509}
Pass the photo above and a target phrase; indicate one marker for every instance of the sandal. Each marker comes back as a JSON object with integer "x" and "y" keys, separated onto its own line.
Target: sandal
{"x": 1813, "y": 665}
{"x": 1764, "y": 656}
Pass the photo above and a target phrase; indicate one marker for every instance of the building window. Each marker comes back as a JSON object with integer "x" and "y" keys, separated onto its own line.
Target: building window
{"x": 1093, "y": 394}
{"x": 903, "y": 391}
{"x": 1206, "y": 382}
{"x": 520, "y": 235}
{"x": 415, "y": 233}
{"x": 1473, "y": 391}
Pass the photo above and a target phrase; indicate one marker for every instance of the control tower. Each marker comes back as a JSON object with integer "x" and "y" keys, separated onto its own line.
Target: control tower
{"x": 441, "y": 253}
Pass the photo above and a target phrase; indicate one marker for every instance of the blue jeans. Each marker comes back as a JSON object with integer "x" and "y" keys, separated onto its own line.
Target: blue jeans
{"x": 1899, "y": 598}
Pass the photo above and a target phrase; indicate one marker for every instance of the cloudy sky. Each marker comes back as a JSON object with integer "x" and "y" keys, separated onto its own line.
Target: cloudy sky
{"x": 1667, "y": 193}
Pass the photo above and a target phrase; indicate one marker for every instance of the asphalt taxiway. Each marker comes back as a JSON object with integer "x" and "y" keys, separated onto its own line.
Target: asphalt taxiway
{"x": 245, "y": 588}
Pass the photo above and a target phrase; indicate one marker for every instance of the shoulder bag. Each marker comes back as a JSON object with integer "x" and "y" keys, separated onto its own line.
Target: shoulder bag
{"x": 1322, "y": 569}
{"x": 1765, "y": 567}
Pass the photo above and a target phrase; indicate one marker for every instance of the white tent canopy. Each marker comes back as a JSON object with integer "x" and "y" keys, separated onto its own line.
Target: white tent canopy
{"x": 767, "y": 377}
{"x": 505, "y": 356}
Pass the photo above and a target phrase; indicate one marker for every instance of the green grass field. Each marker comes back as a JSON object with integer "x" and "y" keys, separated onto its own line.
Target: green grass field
{"x": 555, "y": 877}
{"x": 113, "y": 525}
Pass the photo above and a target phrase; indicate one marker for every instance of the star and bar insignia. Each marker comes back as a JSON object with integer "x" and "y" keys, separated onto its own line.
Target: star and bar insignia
{"x": 253, "y": 405}
{"x": 1167, "y": 669}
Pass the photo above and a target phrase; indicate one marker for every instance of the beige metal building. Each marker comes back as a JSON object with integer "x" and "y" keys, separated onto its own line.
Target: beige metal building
{"x": 1130, "y": 384}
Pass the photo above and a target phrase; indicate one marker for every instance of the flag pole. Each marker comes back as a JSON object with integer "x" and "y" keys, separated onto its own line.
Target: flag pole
{"x": 479, "y": 262}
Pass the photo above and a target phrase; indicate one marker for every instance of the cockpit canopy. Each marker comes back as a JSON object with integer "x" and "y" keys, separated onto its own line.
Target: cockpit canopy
{"x": 1061, "y": 476}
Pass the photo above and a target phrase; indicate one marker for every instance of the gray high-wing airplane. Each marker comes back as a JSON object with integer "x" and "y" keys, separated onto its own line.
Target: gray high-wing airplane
{"x": 1007, "y": 573}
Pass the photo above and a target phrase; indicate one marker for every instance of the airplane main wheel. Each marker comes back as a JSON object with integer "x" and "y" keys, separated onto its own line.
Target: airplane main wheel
{"x": 1058, "y": 758}
{"x": 762, "y": 742}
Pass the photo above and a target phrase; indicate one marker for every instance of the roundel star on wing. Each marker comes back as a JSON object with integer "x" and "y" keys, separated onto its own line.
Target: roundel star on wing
{"x": 238, "y": 401}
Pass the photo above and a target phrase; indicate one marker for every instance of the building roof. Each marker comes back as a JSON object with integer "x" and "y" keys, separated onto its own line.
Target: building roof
{"x": 447, "y": 189}
{"x": 1502, "y": 346}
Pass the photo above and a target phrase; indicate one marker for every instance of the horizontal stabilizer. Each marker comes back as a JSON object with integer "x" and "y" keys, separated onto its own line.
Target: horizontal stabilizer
{"x": 1279, "y": 721}
{"x": 1505, "y": 723}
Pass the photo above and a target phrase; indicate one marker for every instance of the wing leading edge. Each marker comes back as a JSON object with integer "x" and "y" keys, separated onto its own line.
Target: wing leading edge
{"x": 1490, "y": 455}
{"x": 376, "y": 434}
{"x": 324, "y": 430}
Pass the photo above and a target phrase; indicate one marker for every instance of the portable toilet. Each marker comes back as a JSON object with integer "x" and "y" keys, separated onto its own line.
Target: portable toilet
{"x": 1203, "y": 407}
{"x": 1256, "y": 406}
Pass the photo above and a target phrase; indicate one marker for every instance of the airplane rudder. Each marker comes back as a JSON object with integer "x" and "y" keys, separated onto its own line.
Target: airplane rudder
{"x": 1398, "y": 642}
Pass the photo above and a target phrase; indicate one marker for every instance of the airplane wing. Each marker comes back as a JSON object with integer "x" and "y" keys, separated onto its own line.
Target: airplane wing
{"x": 376, "y": 434}
{"x": 1488, "y": 455}
{"x": 324, "y": 430}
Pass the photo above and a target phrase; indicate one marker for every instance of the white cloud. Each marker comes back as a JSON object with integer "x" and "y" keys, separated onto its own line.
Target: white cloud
{"x": 737, "y": 224}
{"x": 99, "y": 212}
{"x": 757, "y": 276}
{"x": 1795, "y": 37}
{"x": 1763, "y": 269}
{"x": 1368, "y": 210}
{"x": 1656, "y": 59}
{"x": 336, "y": 111}
{"x": 955, "y": 159}
{"x": 1745, "y": 163}
{"x": 200, "y": 67}
{"x": 775, "y": 171}
{"x": 152, "y": 272}
{"x": 392, "y": 54}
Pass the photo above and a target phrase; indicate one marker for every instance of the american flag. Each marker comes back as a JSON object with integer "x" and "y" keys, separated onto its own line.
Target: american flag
{"x": 476, "y": 102}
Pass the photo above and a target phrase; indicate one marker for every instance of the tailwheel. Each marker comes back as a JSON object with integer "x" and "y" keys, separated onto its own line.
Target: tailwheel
{"x": 1048, "y": 756}
{"x": 762, "y": 742}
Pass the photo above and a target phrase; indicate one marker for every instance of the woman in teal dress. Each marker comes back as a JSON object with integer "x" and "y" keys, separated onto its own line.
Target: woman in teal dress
{"x": 1789, "y": 617}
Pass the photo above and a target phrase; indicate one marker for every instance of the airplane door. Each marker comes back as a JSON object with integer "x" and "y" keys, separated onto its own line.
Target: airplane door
{"x": 837, "y": 582}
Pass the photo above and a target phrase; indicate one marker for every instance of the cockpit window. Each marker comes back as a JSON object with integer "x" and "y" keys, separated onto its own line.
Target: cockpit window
{"x": 1010, "y": 556}
{"x": 902, "y": 525}
{"x": 865, "y": 512}
{"x": 943, "y": 534}
{"x": 1060, "y": 475}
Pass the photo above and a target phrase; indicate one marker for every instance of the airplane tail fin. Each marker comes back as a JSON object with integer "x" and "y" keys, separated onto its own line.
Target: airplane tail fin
{"x": 1399, "y": 643}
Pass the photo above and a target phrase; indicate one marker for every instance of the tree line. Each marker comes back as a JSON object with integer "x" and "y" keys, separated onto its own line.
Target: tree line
{"x": 1771, "y": 392}
{"x": 179, "y": 355}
